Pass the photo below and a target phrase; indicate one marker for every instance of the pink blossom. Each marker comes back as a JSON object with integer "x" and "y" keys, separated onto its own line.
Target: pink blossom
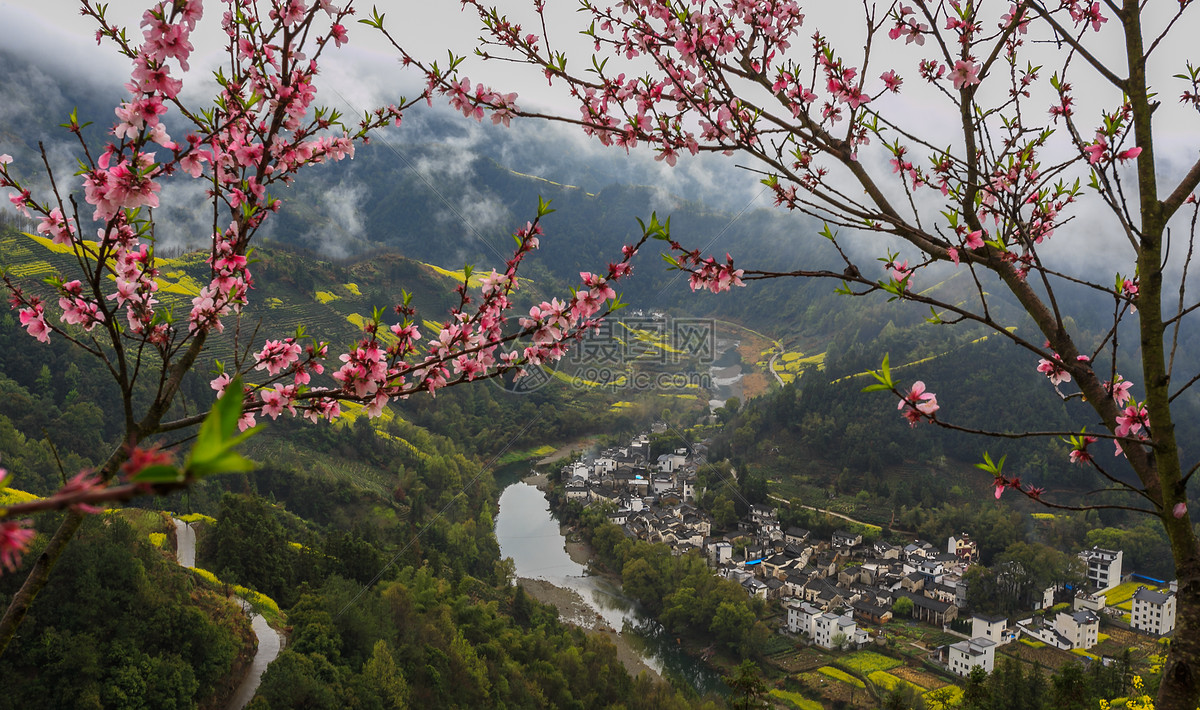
{"x": 1132, "y": 420}
{"x": 974, "y": 240}
{"x": 917, "y": 404}
{"x": 338, "y": 32}
{"x": 1090, "y": 14}
{"x": 140, "y": 458}
{"x": 892, "y": 81}
{"x": 34, "y": 320}
{"x": 1080, "y": 454}
{"x": 1179, "y": 510}
{"x": 1119, "y": 391}
{"x": 1129, "y": 154}
{"x": 15, "y": 536}
{"x": 276, "y": 399}
{"x": 1095, "y": 151}
{"x": 1054, "y": 371}
{"x": 54, "y": 226}
{"x": 964, "y": 74}
{"x": 219, "y": 383}
{"x": 277, "y": 355}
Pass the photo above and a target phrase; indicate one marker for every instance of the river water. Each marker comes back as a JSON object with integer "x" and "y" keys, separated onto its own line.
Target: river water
{"x": 529, "y": 534}
{"x": 726, "y": 374}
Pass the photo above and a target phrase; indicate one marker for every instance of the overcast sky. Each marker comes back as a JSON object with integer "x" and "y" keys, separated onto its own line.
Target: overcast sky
{"x": 367, "y": 73}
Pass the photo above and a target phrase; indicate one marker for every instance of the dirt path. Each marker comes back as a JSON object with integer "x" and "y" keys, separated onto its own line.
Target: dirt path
{"x": 835, "y": 514}
{"x": 569, "y": 448}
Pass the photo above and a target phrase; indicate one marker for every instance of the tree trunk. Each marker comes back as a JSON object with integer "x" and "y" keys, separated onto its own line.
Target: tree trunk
{"x": 38, "y": 576}
{"x": 1180, "y": 686}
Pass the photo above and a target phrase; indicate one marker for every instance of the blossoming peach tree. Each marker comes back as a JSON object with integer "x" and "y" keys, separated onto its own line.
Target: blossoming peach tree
{"x": 961, "y": 134}
{"x": 261, "y": 130}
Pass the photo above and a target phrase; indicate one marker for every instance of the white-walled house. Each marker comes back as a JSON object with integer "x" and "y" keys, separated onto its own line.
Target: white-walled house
{"x": 827, "y": 627}
{"x": 1095, "y": 602}
{"x": 993, "y": 628}
{"x": 1103, "y": 567}
{"x": 603, "y": 465}
{"x": 1080, "y": 628}
{"x": 978, "y": 652}
{"x": 1153, "y": 612}
{"x": 1069, "y": 630}
{"x": 722, "y": 552}
{"x": 800, "y": 616}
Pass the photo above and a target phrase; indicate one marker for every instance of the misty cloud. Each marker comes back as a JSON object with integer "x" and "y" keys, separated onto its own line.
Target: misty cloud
{"x": 337, "y": 230}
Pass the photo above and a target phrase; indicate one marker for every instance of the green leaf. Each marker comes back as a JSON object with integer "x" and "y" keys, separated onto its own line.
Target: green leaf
{"x": 214, "y": 438}
{"x": 875, "y": 387}
{"x": 227, "y": 462}
{"x": 994, "y": 468}
{"x": 162, "y": 473}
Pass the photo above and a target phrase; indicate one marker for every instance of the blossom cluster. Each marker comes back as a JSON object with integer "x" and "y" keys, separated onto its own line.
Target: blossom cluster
{"x": 393, "y": 361}
{"x": 918, "y": 404}
{"x": 711, "y": 59}
{"x": 262, "y": 128}
{"x": 261, "y": 131}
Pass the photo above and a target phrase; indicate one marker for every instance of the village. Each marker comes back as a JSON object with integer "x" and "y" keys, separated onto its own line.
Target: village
{"x": 837, "y": 593}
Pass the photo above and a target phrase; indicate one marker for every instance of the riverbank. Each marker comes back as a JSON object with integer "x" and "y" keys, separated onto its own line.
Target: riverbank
{"x": 573, "y": 610}
{"x": 541, "y": 481}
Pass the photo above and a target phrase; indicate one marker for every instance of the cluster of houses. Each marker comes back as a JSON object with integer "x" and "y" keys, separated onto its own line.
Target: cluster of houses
{"x": 831, "y": 587}
{"x": 844, "y": 583}
{"x": 1075, "y": 627}
{"x": 651, "y": 501}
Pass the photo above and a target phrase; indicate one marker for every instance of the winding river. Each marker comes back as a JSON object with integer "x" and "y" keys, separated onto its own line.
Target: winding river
{"x": 269, "y": 640}
{"x": 529, "y": 534}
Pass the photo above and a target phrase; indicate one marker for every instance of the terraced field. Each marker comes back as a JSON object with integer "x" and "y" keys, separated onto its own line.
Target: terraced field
{"x": 796, "y": 700}
{"x": 867, "y": 662}
{"x": 886, "y": 681}
{"x": 840, "y": 675}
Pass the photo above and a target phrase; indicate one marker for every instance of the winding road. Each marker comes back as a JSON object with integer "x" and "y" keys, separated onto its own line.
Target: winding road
{"x": 270, "y": 641}
{"x": 835, "y": 514}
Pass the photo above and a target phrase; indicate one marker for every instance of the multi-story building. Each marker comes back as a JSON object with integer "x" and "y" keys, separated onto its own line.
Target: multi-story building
{"x": 1081, "y": 629}
{"x": 828, "y": 627}
{"x": 800, "y": 616}
{"x": 963, "y": 547}
{"x": 1153, "y": 612}
{"x": 978, "y": 652}
{"x": 1103, "y": 567}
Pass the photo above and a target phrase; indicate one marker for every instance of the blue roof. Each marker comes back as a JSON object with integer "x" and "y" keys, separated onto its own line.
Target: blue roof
{"x": 754, "y": 562}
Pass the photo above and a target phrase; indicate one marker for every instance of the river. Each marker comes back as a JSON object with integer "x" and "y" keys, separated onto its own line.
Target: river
{"x": 269, "y": 640}
{"x": 529, "y": 534}
{"x": 726, "y": 374}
